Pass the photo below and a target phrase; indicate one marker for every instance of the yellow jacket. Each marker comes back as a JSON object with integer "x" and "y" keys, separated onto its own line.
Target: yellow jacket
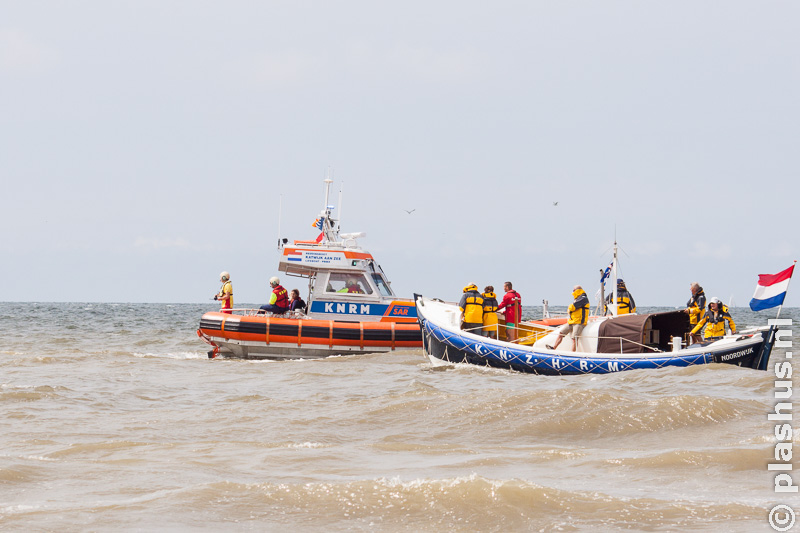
{"x": 715, "y": 323}
{"x": 471, "y": 305}
{"x": 579, "y": 308}
{"x": 489, "y": 309}
{"x": 696, "y": 305}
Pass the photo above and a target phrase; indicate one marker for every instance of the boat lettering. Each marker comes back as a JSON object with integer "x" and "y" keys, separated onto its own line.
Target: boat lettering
{"x": 528, "y": 358}
{"x": 584, "y": 365}
{"x": 736, "y": 355}
{"x": 478, "y": 349}
{"x": 346, "y": 309}
{"x": 504, "y": 356}
{"x": 613, "y": 366}
{"x": 556, "y": 363}
{"x": 400, "y": 311}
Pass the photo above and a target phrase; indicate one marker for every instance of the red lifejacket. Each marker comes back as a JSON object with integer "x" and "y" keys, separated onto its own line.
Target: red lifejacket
{"x": 281, "y": 297}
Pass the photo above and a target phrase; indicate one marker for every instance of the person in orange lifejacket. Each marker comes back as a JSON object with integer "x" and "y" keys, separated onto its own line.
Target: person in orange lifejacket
{"x": 578, "y": 316}
{"x": 625, "y": 303}
{"x": 225, "y": 294}
{"x": 471, "y": 306}
{"x": 489, "y": 312}
{"x": 512, "y": 309}
{"x": 714, "y": 320}
{"x": 279, "y": 301}
{"x": 695, "y": 307}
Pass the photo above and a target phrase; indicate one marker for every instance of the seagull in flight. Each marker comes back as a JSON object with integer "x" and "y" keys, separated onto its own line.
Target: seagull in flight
{"x": 409, "y": 212}
{"x": 555, "y": 204}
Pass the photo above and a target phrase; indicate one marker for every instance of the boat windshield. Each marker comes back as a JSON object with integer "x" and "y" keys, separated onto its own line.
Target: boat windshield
{"x": 348, "y": 284}
{"x": 382, "y": 286}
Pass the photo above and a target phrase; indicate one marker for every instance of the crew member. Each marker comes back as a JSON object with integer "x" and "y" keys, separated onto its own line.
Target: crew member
{"x": 625, "y": 303}
{"x": 471, "y": 306}
{"x": 511, "y": 306}
{"x": 279, "y": 301}
{"x": 296, "y": 303}
{"x": 695, "y": 307}
{"x": 225, "y": 294}
{"x": 578, "y": 316}
{"x": 489, "y": 312}
{"x": 714, "y": 320}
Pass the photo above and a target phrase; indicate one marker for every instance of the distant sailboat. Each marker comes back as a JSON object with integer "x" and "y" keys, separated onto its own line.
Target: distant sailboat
{"x": 731, "y": 301}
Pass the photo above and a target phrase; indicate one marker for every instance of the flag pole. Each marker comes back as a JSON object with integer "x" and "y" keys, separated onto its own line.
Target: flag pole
{"x": 787, "y": 290}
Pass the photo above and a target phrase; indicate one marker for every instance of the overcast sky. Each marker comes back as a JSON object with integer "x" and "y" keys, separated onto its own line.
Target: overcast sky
{"x": 144, "y": 145}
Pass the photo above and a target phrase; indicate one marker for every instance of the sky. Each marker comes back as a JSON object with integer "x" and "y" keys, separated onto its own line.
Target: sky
{"x": 146, "y": 146}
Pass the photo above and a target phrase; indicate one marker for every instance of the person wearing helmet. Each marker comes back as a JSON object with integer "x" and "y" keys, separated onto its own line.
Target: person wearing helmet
{"x": 279, "y": 301}
{"x": 225, "y": 294}
{"x": 511, "y": 305}
{"x": 578, "y": 317}
{"x": 714, "y": 320}
{"x": 471, "y": 306}
{"x": 625, "y": 303}
{"x": 352, "y": 287}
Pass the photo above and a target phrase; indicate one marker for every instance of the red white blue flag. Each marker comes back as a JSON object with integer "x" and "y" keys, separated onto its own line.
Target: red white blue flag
{"x": 771, "y": 289}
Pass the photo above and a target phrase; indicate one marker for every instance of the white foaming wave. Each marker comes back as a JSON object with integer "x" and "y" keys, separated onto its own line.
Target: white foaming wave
{"x": 173, "y": 355}
{"x": 307, "y": 445}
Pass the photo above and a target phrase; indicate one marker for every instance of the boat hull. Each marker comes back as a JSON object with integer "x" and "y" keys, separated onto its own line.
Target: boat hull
{"x": 448, "y": 344}
{"x": 270, "y": 337}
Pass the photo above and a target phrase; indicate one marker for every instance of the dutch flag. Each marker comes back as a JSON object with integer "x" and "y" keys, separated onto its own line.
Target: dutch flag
{"x": 771, "y": 289}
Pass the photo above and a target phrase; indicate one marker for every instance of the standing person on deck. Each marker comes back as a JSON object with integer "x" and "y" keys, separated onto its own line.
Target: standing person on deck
{"x": 471, "y": 305}
{"x": 714, "y": 321}
{"x": 512, "y": 309}
{"x": 279, "y": 301}
{"x": 578, "y": 316}
{"x": 489, "y": 312}
{"x": 695, "y": 307}
{"x": 225, "y": 294}
{"x": 625, "y": 303}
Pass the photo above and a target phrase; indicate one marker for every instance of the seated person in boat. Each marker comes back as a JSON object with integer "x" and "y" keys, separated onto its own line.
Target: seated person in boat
{"x": 296, "y": 303}
{"x": 489, "y": 312}
{"x": 225, "y": 294}
{"x": 279, "y": 300}
{"x": 625, "y": 303}
{"x": 695, "y": 307}
{"x": 348, "y": 284}
{"x": 471, "y": 305}
{"x": 512, "y": 309}
{"x": 714, "y": 320}
{"x": 578, "y": 316}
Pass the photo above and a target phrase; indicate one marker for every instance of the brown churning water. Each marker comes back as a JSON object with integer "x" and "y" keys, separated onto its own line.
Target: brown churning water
{"x": 114, "y": 418}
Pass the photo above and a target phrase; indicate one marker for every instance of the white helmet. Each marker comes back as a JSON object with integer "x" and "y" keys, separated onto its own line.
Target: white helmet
{"x": 274, "y": 281}
{"x": 224, "y": 276}
{"x": 715, "y": 300}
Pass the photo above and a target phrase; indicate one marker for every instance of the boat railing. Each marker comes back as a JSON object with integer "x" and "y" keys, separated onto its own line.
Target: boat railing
{"x": 244, "y": 311}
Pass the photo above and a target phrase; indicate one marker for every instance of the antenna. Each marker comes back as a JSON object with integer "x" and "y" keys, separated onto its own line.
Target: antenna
{"x": 280, "y": 210}
{"x": 341, "y": 187}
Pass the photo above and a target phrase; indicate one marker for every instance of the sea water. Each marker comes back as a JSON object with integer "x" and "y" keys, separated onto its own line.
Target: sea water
{"x": 112, "y": 417}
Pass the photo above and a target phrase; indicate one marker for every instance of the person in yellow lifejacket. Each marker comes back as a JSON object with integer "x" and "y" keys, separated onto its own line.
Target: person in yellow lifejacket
{"x": 489, "y": 312}
{"x": 225, "y": 294}
{"x": 471, "y": 306}
{"x": 695, "y": 307}
{"x": 625, "y": 303}
{"x": 714, "y": 320}
{"x": 578, "y": 316}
